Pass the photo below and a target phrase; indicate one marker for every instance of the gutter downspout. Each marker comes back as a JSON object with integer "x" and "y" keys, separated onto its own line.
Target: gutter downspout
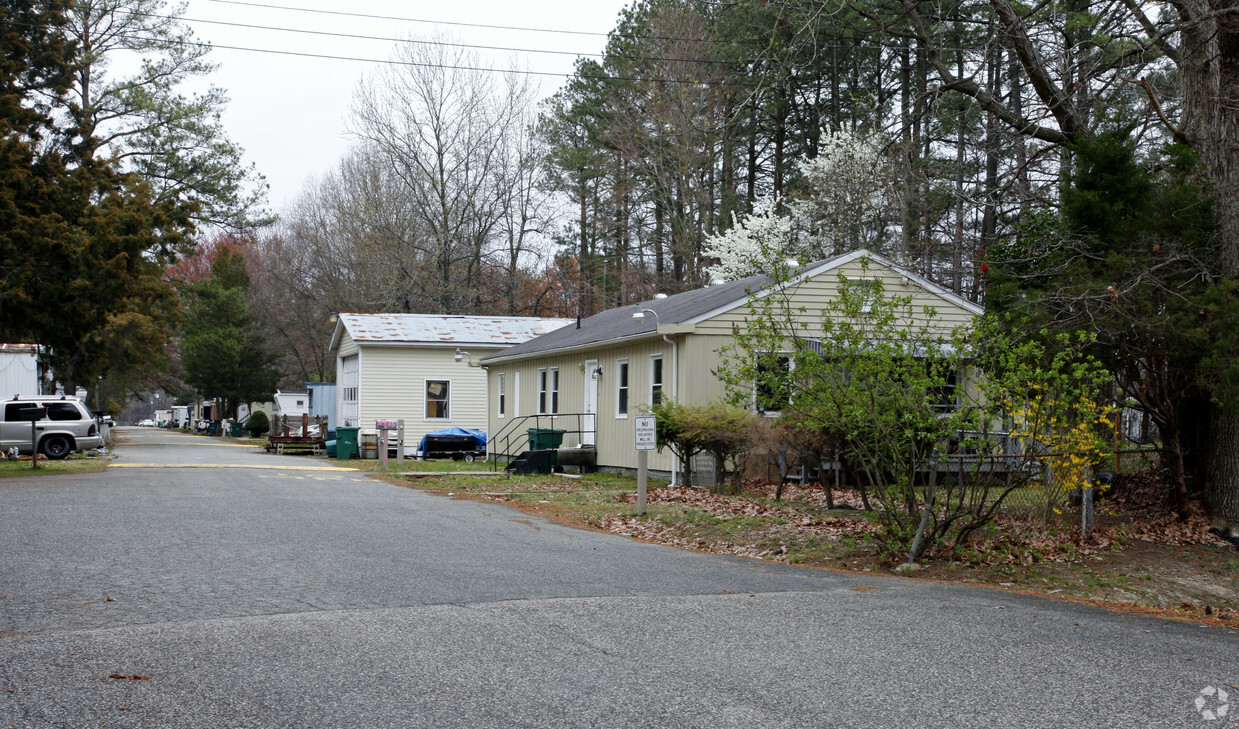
{"x": 675, "y": 379}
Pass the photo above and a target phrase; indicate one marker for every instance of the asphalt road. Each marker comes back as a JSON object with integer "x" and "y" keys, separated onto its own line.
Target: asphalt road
{"x": 263, "y": 595}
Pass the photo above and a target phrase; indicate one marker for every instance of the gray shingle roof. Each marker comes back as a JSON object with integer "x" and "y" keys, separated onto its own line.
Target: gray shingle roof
{"x": 617, "y": 323}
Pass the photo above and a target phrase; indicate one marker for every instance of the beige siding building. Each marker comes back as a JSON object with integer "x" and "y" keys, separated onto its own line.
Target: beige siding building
{"x": 403, "y": 367}
{"x": 591, "y": 379}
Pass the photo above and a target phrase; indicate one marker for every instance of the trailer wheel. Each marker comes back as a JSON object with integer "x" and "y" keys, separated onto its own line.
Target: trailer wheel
{"x": 468, "y": 458}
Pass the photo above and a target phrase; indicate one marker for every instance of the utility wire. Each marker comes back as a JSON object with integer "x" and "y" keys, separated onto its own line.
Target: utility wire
{"x": 390, "y": 62}
{"x": 448, "y": 44}
{"x": 455, "y": 23}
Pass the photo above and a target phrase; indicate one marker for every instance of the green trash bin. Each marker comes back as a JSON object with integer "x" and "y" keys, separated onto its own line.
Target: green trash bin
{"x": 236, "y": 430}
{"x": 541, "y": 439}
{"x": 346, "y": 443}
{"x": 546, "y": 439}
{"x": 213, "y": 428}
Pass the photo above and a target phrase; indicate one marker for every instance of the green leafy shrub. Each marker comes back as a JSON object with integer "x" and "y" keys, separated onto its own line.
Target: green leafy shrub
{"x": 257, "y": 423}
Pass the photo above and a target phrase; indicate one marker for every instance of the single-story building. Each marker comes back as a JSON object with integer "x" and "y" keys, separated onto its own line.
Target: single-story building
{"x": 405, "y": 367}
{"x": 589, "y": 380}
{"x": 291, "y": 404}
{"x": 21, "y": 370}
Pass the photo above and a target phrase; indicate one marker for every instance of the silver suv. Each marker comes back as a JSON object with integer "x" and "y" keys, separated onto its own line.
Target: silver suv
{"x": 66, "y": 426}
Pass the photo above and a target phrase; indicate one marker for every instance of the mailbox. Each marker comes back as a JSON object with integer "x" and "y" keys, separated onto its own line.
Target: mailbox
{"x": 32, "y": 413}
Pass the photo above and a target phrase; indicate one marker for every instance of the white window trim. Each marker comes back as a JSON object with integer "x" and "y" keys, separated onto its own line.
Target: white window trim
{"x": 553, "y": 390}
{"x": 425, "y": 399}
{"x": 544, "y": 381}
{"x": 627, "y": 387}
{"x": 662, "y": 384}
{"x": 502, "y": 396}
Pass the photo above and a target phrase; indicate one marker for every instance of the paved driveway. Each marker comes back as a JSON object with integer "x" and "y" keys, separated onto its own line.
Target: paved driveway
{"x": 266, "y": 595}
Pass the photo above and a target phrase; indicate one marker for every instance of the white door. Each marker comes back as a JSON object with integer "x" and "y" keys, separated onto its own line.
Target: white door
{"x": 350, "y": 379}
{"x": 589, "y": 422}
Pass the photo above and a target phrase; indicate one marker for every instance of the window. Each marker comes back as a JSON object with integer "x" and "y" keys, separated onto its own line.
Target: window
{"x": 773, "y": 389}
{"x": 502, "y": 395}
{"x": 13, "y": 411}
{"x": 621, "y": 388}
{"x": 541, "y": 392}
{"x": 942, "y": 397}
{"x": 864, "y": 288}
{"x": 554, "y": 390}
{"x": 437, "y": 399}
{"x": 63, "y": 411}
{"x": 656, "y": 379}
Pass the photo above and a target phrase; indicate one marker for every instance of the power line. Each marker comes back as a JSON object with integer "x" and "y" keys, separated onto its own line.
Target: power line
{"x": 428, "y": 42}
{"x": 415, "y": 64}
{"x": 452, "y": 22}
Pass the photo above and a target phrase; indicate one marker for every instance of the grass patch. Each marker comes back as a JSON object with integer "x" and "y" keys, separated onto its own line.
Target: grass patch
{"x": 75, "y": 463}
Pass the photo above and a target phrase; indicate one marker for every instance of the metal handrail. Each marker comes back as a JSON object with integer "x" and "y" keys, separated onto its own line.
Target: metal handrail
{"x": 510, "y": 432}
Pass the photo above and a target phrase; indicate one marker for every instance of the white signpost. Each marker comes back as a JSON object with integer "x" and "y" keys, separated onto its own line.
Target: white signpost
{"x": 645, "y": 438}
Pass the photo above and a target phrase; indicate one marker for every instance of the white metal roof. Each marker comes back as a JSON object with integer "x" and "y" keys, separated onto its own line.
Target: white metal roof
{"x": 444, "y": 330}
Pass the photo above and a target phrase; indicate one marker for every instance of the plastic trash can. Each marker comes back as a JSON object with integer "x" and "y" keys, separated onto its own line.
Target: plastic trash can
{"x": 346, "y": 443}
{"x": 236, "y": 430}
{"x": 331, "y": 449}
{"x": 546, "y": 439}
{"x": 541, "y": 439}
{"x": 213, "y": 428}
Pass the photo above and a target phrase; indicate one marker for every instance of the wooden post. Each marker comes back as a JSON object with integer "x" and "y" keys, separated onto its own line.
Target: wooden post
{"x": 400, "y": 443}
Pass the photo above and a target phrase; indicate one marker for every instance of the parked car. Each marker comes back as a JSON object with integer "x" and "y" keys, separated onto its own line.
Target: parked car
{"x": 146, "y": 423}
{"x": 65, "y": 426}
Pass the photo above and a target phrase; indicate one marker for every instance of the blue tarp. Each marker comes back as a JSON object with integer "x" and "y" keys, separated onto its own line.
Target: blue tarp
{"x": 479, "y": 437}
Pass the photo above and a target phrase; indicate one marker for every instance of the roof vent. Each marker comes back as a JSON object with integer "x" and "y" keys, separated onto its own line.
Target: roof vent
{"x": 659, "y": 297}
{"x": 716, "y": 282}
{"x": 791, "y": 263}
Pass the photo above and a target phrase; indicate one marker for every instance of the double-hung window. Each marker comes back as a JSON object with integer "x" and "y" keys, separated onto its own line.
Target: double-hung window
{"x": 554, "y": 375}
{"x": 548, "y": 391}
{"x": 621, "y": 388}
{"x": 542, "y": 391}
{"x": 773, "y": 390}
{"x": 501, "y": 394}
{"x": 656, "y": 379}
{"x": 438, "y": 399}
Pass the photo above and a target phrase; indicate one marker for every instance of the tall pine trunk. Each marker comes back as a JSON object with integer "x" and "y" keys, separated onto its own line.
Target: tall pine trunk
{"x": 1209, "y": 68}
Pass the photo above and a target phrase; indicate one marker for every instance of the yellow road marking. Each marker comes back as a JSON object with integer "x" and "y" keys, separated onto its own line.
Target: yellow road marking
{"x": 229, "y": 465}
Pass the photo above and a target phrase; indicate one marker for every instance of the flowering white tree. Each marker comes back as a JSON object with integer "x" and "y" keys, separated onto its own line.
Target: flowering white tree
{"x": 850, "y": 196}
{"x": 752, "y": 242}
{"x": 847, "y": 204}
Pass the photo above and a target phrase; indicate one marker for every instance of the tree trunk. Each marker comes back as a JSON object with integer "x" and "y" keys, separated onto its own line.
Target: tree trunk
{"x": 1209, "y": 68}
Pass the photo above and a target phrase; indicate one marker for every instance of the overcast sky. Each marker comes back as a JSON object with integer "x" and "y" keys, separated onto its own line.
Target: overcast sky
{"x": 288, "y": 111}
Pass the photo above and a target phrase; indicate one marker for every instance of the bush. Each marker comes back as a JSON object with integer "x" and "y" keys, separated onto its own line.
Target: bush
{"x": 257, "y": 423}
